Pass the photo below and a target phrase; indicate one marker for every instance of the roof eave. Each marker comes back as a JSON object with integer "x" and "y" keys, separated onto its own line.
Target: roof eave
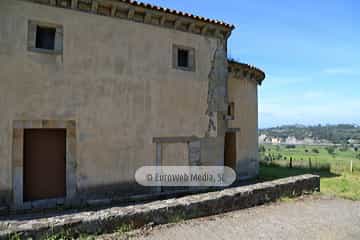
{"x": 258, "y": 74}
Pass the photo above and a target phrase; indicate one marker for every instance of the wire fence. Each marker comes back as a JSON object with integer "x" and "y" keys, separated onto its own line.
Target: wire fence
{"x": 336, "y": 166}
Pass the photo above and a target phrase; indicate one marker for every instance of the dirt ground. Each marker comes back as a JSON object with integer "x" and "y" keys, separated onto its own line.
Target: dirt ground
{"x": 311, "y": 217}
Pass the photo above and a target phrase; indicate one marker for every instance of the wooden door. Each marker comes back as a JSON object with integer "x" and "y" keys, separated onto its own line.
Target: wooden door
{"x": 230, "y": 150}
{"x": 44, "y": 164}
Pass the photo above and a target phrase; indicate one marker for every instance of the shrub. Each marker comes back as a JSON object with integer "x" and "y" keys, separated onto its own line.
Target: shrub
{"x": 330, "y": 150}
{"x": 262, "y": 149}
{"x": 315, "y": 150}
{"x": 344, "y": 148}
{"x": 290, "y": 146}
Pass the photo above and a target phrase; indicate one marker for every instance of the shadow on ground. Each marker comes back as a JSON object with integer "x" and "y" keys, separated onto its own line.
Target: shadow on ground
{"x": 267, "y": 172}
{"x": 270, "y": 171}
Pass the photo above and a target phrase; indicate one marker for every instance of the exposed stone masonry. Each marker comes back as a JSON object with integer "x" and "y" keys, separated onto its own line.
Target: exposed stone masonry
{"x": 161, "y": 212}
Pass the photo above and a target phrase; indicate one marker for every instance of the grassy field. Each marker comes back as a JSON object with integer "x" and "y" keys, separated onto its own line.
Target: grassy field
{"x": 332, "y": 166}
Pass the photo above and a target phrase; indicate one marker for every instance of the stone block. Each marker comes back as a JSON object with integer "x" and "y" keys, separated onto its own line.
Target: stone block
{"x": 99, "y": 202}
{"x": 44, "y": 204}
{"x": 161, "y": 212}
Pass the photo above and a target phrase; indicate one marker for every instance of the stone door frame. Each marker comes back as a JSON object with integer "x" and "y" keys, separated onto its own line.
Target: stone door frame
{"x": 193, "y": 145}
{"x": 18, "y": 163}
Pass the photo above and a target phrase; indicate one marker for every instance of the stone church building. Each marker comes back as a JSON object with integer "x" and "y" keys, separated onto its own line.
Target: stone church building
{"x": 92, "y": 90}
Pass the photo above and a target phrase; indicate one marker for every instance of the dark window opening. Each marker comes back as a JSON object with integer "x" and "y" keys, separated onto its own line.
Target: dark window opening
{"x": 231, "y": 110}
{"x": 183, "y": 58}
{"x": 45, "y": 38}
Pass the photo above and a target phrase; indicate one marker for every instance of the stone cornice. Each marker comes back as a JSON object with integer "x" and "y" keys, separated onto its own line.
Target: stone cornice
{"x": 147, "y": 14}
{"x": 243, "y": 70}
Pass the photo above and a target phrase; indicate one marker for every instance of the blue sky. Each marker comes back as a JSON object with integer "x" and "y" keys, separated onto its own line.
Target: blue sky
{"x": 310, "y": 51}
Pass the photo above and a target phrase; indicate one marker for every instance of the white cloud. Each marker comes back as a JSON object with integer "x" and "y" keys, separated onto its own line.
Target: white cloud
{"x": 342, "y": 71}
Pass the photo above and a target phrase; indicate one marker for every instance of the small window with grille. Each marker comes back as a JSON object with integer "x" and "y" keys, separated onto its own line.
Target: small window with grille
{"x": 45, "y": 37}
{"x": 184, "y": 58}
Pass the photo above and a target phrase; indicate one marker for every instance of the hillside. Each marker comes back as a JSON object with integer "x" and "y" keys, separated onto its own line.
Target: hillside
{"x": 337, "y": 134}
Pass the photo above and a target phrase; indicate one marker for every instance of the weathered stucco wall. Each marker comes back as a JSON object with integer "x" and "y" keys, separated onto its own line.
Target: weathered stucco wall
{"x": 175, "y": 154}
{"x": 243, "y": 92}
{"x": 115, "y": 79}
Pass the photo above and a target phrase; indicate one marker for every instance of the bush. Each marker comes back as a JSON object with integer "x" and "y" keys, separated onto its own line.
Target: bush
{"x": 306, "y": 150}
{"x": 315, "y": 150}
{"x": 330, "y": 150}
{"x": 344, "y": 148}
{"x": 290, "y": 146}
{"x": 262, "y": 149}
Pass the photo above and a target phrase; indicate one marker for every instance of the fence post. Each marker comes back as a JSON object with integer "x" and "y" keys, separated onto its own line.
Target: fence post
{"x": 310, "y": 166}
{"x": 290, "y": 163}
{"x": 351, "y": 166}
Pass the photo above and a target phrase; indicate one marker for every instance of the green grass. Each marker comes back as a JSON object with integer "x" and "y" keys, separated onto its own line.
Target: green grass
{"x": 339, "y": 162}
{"x": 345, "y": 186}
{"x": 334, "y": 170}
{"x": 273, "y": 171}
{"x": 177, "y": 217}
{"x": 67, "y": 235}
{"x": 124, "y": 228}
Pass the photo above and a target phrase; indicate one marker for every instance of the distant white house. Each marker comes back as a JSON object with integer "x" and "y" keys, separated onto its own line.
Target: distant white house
{"x": 291, "y": 140}
{"x": 354, "y": 141}
{"x": 262, "y": 139}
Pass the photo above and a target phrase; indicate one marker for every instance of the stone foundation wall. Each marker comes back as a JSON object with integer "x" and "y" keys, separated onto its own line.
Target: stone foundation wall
{"x": 161, "y": 212}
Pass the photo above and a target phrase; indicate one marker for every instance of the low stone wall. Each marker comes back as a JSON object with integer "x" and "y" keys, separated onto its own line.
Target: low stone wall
{"x": 165, "y": 211}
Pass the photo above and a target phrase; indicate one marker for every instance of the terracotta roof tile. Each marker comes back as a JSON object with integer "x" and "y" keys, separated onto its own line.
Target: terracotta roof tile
{"x": 180, "y": 13}
{"x": 261, "y": 74}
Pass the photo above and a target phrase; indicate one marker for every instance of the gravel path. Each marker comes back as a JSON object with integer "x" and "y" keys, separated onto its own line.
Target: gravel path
{"x": 306, "y": 218}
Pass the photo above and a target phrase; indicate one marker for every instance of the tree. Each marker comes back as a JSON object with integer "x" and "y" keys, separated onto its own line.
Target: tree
{"x": 355, "y": 149}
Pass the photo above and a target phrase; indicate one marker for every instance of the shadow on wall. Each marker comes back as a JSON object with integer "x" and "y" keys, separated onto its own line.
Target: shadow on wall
{"x": 4, "y": 197}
